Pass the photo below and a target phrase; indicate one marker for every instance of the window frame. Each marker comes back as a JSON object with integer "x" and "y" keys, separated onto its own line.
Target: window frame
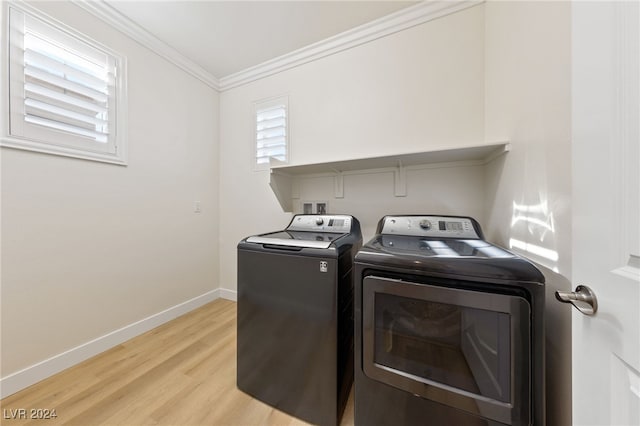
{"x": 262, "y": 105}
{"x": 47, "y": 140}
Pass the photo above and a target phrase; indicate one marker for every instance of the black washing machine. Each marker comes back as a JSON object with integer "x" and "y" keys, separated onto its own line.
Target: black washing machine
{"x": 449, "y": 329}
{"x": 295, "y": 316}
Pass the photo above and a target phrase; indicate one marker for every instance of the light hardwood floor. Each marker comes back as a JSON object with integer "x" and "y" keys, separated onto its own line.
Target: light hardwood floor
{"x": 181, "y": 373}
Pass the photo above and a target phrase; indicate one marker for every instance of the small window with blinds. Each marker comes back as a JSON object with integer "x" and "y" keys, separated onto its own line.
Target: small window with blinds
{"x": 272, "y": 134}
{"x": 66, "y": 92}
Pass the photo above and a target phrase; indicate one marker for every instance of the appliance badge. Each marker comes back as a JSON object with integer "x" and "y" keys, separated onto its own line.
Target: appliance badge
{"x": 323, "y": 266}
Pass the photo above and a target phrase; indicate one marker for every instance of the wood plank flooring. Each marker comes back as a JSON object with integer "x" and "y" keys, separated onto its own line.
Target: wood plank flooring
{"x": 181, "y": 373}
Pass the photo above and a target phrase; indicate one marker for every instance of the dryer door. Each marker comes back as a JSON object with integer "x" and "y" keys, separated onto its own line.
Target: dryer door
{"x": 462, "y": 348}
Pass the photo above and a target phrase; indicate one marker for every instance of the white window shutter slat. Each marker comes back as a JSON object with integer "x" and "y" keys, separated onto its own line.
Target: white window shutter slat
{"x": 32, "y": 88}
{"x": 65, "y": 84}
{"x": 59, "y": 125}
{"x": 65, "y": 112}
{"x": 43, "y": 62}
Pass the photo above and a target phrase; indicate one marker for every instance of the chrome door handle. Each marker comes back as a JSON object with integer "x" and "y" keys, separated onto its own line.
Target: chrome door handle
{"x": 584, "y": 299}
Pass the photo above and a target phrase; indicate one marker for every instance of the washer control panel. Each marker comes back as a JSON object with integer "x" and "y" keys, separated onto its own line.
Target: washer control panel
{"x": 429, "y": 226}
{"x": 324, "y": 223}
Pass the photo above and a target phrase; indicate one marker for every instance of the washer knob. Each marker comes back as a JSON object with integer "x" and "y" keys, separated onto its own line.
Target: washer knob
{"x": 425, "y": 224}
{"x": 319, "y": 221}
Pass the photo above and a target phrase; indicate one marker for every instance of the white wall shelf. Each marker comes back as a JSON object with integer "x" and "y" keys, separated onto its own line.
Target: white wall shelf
{"x": 283, "y": 177}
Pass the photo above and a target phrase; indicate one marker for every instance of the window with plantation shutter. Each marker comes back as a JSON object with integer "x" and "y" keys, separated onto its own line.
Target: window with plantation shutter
{"x": 271, "y": 132}
{"x": 67, "y": 92}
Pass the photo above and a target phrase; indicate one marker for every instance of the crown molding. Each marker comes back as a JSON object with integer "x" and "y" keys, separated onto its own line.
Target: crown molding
{"x": 403, "y": 19}
{"x": 412, "y": 16}
{"x": 111, "y": 16}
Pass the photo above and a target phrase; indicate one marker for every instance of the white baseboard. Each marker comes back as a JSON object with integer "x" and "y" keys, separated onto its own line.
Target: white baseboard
{"x": 24, "y": 378}
{"x": 225, "y": 293}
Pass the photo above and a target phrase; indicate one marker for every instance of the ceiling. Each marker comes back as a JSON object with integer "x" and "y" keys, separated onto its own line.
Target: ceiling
{"x": 225, "y": 37}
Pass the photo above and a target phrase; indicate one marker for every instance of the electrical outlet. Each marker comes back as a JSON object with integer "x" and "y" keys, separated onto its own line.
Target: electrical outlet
{"x": 307, "y": 208}
{"x": 321, "y": 207}
{"x": 197, "y": 207}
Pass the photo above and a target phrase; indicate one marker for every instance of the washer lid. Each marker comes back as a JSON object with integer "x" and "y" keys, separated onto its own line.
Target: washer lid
{"x": 303, "y": 239}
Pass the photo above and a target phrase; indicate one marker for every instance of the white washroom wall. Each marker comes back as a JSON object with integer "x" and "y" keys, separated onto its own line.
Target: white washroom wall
{"x": 499, "y": 71}
{"x": 88, "y": 247}
{"x": 418, "y": 89}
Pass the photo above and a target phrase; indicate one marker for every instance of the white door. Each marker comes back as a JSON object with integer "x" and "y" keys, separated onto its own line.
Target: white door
{"x": 606, "y": 213}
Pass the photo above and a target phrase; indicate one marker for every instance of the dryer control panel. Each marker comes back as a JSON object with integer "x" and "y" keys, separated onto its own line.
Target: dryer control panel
{"x": 321, "y": 223}
{"x": 430, "y": 226}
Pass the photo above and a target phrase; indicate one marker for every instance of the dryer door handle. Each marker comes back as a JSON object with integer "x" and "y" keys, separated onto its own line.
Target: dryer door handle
{"x": 583, "y": 299}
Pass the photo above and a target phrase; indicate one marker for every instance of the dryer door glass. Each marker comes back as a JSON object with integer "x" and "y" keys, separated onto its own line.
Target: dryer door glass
{"x": 463, "y": 348}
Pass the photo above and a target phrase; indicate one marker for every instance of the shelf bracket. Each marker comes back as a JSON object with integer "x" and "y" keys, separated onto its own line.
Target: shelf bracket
{"x": 338, "y": 185}
{"x": 281, "y": 185}
{"x": 400, "y": 180}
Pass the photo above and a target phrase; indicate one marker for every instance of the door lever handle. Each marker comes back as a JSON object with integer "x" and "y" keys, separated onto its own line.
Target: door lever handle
{"x": 583, "y": 299}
